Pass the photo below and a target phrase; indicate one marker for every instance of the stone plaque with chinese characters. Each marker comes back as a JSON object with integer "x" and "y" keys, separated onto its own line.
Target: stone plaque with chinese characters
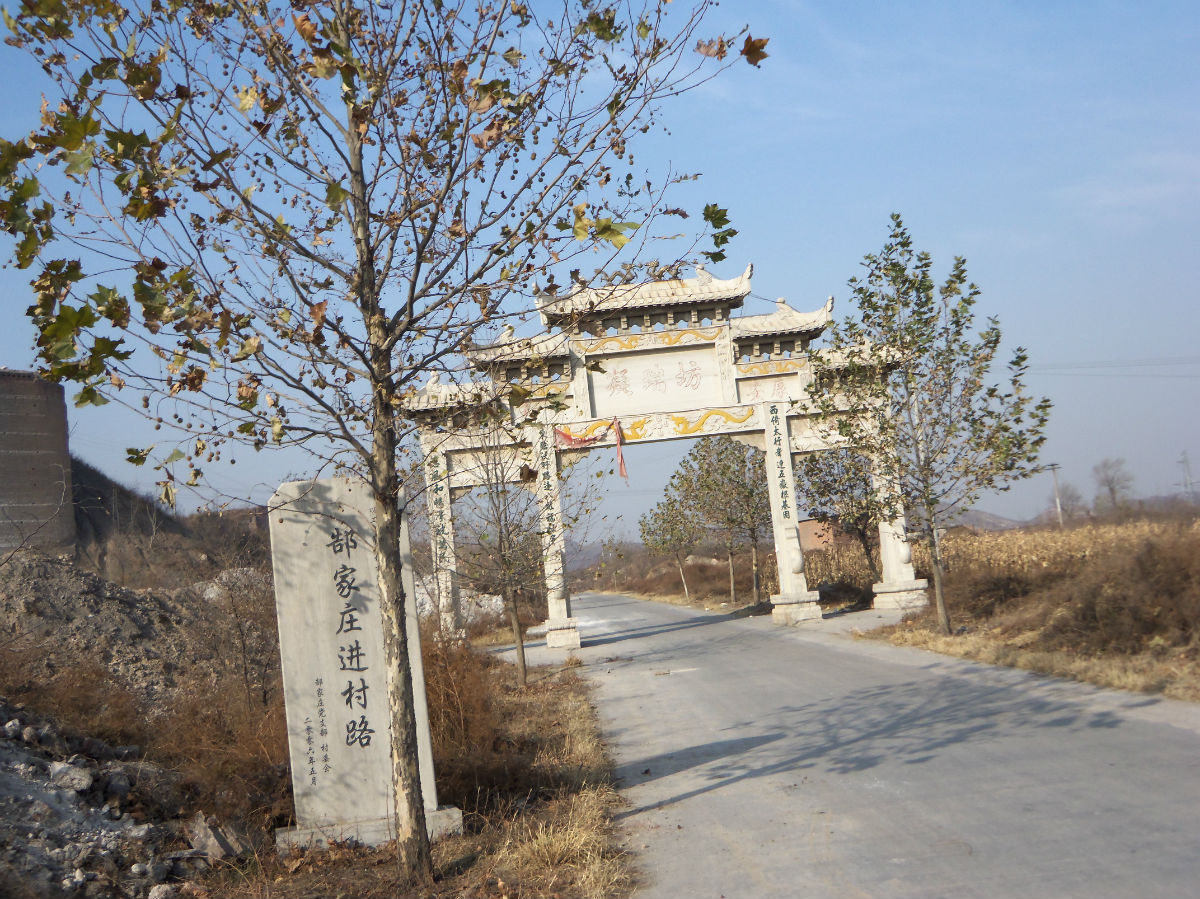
{"x": 673, "y": 379}
{"x": 334, "y": 676}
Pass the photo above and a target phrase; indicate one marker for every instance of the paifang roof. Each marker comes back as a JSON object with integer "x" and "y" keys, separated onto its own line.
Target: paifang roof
{"x": 435, "y": 395}
{"x": 509, "y": 348}
{"x": 703, "y": 288}
{"x": 784, "y": 320}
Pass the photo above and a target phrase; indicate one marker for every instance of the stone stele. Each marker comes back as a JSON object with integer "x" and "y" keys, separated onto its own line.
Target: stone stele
{"x": 334, "y": 677}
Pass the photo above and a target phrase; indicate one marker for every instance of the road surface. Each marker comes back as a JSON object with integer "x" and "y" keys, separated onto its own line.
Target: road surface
{"x": 768, "y": 761}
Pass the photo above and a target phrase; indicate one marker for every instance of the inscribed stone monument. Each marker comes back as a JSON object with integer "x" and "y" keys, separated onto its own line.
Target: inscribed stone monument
{"x": 334, "y": 676}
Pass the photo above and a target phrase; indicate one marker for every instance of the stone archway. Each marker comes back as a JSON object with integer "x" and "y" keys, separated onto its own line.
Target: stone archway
{"x": 630, "y": 364}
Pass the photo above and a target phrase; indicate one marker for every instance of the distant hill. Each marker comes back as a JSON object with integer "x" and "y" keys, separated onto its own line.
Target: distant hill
{"x": 104, "y": 507}
{"x": 986, "y": 521}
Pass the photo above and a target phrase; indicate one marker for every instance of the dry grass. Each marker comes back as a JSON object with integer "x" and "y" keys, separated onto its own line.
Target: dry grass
{"x": 1175, "y": 676}
{"x": 637, "y": 573}
{"x": 1116, "y": 604}
{"x": 83, "y": 696}
{"x": 526, "y": 766}
{"x": 530, "y": 773}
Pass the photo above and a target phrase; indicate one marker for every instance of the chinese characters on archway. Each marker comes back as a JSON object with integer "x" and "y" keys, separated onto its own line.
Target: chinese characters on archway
{"x": 546, "y": 471}
{"x": 779, "y": 456}
{"x": 440, "y": 502}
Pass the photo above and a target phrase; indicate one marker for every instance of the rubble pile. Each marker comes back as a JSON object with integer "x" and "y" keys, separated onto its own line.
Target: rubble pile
{"x": 143, "y": 639}
{"x": 79, "y": 817}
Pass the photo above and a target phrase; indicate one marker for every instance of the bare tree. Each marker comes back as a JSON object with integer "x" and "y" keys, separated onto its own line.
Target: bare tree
{"x": 671, "y": 529}
{"x": 266, "y": 221}
{"x": 722, "y": 484}
{"x": 1071, "y": 501}
{"x": 835, "y": 487}
{"x": 1113, "y": 484}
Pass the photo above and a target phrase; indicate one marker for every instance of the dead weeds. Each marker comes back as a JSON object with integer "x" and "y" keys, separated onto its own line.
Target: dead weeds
{"x": 1113, "y": 605}
{"x": 530, "y": 773}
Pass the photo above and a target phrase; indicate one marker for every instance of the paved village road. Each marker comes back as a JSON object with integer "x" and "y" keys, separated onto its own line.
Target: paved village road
{"x": 767, "y": 761}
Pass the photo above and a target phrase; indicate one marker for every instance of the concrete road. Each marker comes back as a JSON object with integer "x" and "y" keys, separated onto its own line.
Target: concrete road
{"x": 767, "y": 761}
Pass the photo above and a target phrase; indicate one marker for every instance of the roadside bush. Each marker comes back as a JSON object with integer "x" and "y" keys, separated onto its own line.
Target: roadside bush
{"x": 1097, "y": 589}
{"x": 1129, "y": 601}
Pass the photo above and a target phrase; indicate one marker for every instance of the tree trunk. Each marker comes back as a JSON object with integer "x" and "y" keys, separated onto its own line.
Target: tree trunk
{"x": 732, "y": 588}
{"x": 935, "y": 554}
{"x": 514, "y": 619}
{"x": 682, "y": 577}
{"x": 754, "y": 570}
{"x": 864, "y": 540}
{"x": 412, "y": 836}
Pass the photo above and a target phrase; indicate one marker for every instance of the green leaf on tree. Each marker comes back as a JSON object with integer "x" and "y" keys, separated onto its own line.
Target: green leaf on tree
{"x": 335, "y": 195}
{"x": 249, "y": 347}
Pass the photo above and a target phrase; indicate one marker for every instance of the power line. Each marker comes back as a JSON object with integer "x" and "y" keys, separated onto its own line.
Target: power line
{"x": 1157, "y": 362}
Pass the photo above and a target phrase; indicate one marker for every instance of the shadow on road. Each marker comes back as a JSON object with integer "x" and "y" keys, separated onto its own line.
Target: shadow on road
{"x": 651, "y": 630}
{"x": 666, "y": 764}
{"x": 907, "y": 723}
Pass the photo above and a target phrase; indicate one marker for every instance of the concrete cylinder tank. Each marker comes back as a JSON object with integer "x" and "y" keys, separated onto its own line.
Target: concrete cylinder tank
{"x": 35, "y": 465}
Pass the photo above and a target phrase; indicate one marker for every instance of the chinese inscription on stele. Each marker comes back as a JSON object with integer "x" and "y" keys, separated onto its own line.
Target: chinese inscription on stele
{"x": 334, "y": 676}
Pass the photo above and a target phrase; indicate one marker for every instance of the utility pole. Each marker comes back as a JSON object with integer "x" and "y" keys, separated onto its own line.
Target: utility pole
{"x": 1188, "y": 484}
{"x": 1054, "y": 466}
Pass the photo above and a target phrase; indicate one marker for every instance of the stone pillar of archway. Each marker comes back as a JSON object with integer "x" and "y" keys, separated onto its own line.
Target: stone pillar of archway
{"x": 438, "y": 498}
{"x": 794, "y": 602}
{"x": 900, "y": 587}
{"x": 562, "y": 631}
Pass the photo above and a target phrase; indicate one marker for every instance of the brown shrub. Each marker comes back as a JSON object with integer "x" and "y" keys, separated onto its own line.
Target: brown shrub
{"x": 462, "y": 717}
{"x": 1124, "y": 601}
{"x": 1099, "y": 589}
{"x": 83, "y": 696}
{"x": 233, "y": 757}
{"x": 491, "y": 748}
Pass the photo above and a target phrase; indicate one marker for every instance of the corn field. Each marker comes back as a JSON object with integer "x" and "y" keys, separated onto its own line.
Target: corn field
{"x": 1016, "y": 552}
{"x": 1024, "y": 552}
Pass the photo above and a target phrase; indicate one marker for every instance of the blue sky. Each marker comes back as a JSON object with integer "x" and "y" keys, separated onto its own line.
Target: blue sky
{"x": 1054, "y": 145}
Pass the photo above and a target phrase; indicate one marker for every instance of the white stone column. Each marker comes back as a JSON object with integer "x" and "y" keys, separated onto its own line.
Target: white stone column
{"x": 794, "y": 602}
{"x": 441, "y": 541}
{"x": 562, "y": 631}
{"x": 900, "y": 588}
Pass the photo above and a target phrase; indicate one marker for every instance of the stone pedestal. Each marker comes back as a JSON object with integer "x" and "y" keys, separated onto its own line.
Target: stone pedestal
{"x": 375, "y": 832}
{"x": 904, "y": 595}
{"x": 900, "y": 588}
{"x": 793, "y": 608}
{"x": 562, "y": 633}
{"x": 331, "y": 644}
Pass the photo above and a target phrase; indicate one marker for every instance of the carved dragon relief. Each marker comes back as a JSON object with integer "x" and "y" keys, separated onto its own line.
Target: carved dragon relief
{"x": 770, "y": 368}
{"x": 685, "y": 426}
{"x": 650, "y": 339}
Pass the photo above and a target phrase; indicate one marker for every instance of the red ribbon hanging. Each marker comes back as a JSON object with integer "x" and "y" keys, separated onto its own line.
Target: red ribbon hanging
{"x": 620, "y": 455}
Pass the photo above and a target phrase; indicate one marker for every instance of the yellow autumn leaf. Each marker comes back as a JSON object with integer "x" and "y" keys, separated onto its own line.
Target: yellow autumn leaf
{"x": 247, "y": 98}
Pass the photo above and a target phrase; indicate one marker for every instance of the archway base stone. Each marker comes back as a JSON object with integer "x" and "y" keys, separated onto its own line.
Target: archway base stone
{"x": 562, "y": 633}
{"x": 794, "y": 609}
{"x": 904, "y": 595}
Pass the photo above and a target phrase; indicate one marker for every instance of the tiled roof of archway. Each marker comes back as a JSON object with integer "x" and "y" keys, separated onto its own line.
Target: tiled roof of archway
{"x": 783, "y": 321}
{"x": 618, "y": 298}
{"x": 509, "y": 348}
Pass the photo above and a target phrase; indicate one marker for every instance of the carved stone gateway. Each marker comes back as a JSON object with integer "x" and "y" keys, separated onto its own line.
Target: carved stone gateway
{"x": 634, "y": 364}
{"x": 334, "y": 677}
